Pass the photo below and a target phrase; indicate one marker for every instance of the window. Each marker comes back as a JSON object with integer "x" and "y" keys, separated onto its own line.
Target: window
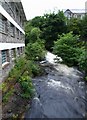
{"x": 20, "y": 19}
{"x": 21, "y": 50}
{"x": 12, "y": 30}
{"x": 4, "y": 58}
{"x": 17, "y": 13}
{"x": 21, "y": 35}
{"x": 3, "y": 24}
{"x": 13, "y": 53}
{"x": 75, "y": 15}
{"x": 17, "y": 33}
{"x": 18, "y": 51}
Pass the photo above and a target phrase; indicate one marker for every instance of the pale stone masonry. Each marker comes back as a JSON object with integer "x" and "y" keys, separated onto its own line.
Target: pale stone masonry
{"x": 12, "y": 42}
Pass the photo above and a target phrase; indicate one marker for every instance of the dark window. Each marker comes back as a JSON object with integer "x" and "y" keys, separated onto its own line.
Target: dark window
{"x": 3, "y": 24}
{"x": 12, "y": 30}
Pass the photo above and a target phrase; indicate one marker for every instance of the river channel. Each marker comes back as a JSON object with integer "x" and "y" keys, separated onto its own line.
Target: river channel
{"x": 60, "y": 93}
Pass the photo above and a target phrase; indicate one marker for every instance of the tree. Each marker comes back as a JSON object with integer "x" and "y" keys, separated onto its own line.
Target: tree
{"x": 54, "y": 24}
{"x": 83, "y": 32}
{"x": 28, "y": 28}
{"x": 38, "y": 21}
{"x": 31, "y": 33}
{"x": 34, "y": 34}
{"x": 74, "y": 25}
{"x": 67, "y": 47}
{"x": 49, "y": 25}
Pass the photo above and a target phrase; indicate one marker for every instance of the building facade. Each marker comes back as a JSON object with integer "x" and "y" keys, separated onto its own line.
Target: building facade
{"x": 12, "y": 42}
{"x": 86, "y": 7}
{"x": 74, "y": 13}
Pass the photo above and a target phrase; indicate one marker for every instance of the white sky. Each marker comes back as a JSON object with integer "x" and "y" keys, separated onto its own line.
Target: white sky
{"x": 40, "y": 7}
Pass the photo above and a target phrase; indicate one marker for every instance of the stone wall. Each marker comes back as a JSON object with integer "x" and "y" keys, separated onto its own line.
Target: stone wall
{"x": 4, "y": 70}
{"x": 15, "y": 11}
{"x": 11, "y": 34}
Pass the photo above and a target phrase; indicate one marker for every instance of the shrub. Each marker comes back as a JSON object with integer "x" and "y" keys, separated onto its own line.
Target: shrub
{"x": 20, "y": 63}
{"x": 21, "y": 73}
{"x": 7, "y": 95}
{"x": 18, "y": 68}
{"x": 35, "y": 68}
{"x": 82, "y": 61}
{"x": 35, "y": 51}
{"x": 67, "y": 47}
{"x": 27, "y": 86}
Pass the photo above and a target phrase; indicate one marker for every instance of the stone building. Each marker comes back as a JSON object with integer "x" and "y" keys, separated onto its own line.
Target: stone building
{"x": 74, "y": 13}
{"x": 12, "y": 42}
{"x": 86, "y": 7}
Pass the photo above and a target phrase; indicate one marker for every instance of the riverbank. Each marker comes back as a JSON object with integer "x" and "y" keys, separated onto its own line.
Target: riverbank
{"x": 18, "y": 90}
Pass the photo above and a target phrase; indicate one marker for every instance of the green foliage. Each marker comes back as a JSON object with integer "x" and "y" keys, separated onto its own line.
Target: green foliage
{"x": 82, "y": 61}
{"x": 74, "y": 24}
{"x": 86, "y": 78}
{"x": 34, "y": 34}
{"x": 38, "y": 21}
{"x": 83, "y": 31}
{"x": 35, "y": 69}
{"x": 26, "y": 85}
{"x": 3, "y": 87}
{"x": 20, "y": 63}
{"x": 7, "y": 95}
{"x": 35, "y": 51}
{"x": 15, "y": 72}
{"x": 28, "y": 28}
{"x": 67, "y": 47}
{"x": 53, "y": 25}
{"x": 48, "y": 27}
{"x": 21, "y": 73}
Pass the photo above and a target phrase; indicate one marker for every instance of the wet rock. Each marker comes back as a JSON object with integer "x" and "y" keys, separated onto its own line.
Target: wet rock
{"x": 35, "y": 111}
{"x": 9, "y": 111}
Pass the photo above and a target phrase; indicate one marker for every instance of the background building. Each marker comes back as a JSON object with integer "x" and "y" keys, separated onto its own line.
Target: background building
{"x": 74, "y": 13}
{"x": 12, "y": 18}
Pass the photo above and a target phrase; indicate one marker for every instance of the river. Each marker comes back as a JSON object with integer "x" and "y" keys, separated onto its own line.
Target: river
{"x": 60, "y": 93}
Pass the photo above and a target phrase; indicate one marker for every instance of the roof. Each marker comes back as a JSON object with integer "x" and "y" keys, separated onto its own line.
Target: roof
{"x": 82, "y": 11}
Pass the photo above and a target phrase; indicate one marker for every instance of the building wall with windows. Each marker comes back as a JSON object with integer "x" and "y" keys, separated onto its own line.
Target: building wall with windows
{"x": 12, "y": 42}
{"x": 74, "y": 13}
{"x": 86, "y": 7}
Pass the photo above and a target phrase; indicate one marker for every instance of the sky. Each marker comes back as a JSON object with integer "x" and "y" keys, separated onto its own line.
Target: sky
{"x": 40, "y": 7}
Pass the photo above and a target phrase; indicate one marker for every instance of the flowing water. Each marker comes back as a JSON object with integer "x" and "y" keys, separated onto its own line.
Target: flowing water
{"x": 61, "y": 93}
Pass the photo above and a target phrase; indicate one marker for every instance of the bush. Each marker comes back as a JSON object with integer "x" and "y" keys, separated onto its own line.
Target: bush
{"x": 67, "y": 47}
{"x": 27, "y": 86}
{"x": 35, "y": 51}
{"x": 21, "y": 73}
{"x": 20, "y": 63}
{"x": 33, "y": 68}
{"x": 82, "y": 61}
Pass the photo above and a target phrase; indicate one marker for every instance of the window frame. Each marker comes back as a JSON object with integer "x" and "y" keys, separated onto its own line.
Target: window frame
{"x": 4, "y": 56}
{"x": 3, "y": 24}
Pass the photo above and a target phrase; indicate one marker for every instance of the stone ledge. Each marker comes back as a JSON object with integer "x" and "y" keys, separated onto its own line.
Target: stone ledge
{"x": 5, "y": 65}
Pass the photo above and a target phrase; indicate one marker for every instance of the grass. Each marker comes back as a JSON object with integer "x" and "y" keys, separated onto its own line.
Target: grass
{"x": 6, "y": 97}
